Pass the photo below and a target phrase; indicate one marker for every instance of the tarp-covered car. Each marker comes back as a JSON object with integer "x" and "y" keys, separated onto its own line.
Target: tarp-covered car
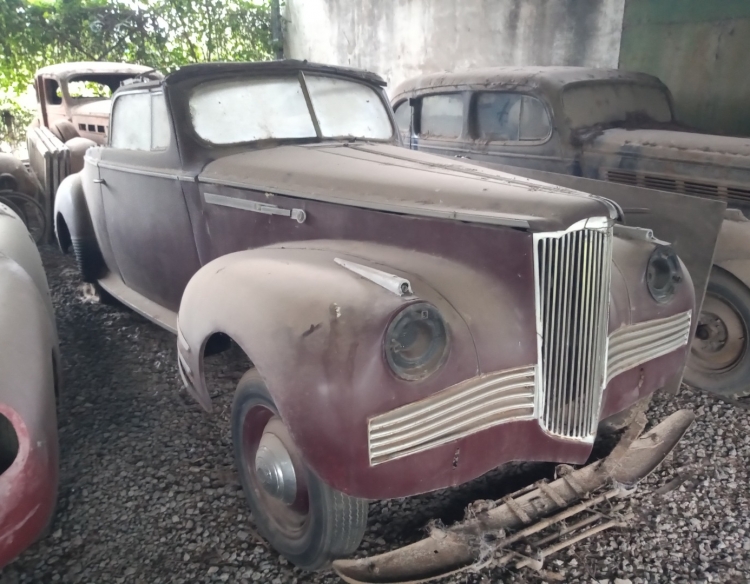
{"x": 412, "y": 323}
{"x": 29, "y": 366}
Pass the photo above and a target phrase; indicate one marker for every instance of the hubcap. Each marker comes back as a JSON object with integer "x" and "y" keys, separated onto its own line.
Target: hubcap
{"x": 720, "y": 337}
{"x": 275, "y": 469}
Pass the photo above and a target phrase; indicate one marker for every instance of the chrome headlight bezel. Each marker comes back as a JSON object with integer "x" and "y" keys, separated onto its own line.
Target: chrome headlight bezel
{"x": 416, "y": 342}
{"x": 663, "y": 274}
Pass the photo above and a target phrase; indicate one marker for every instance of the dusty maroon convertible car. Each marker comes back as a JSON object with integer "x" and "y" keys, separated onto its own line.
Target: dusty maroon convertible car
{"x": 29, "y": 366}
{"x": 412, "y": 322}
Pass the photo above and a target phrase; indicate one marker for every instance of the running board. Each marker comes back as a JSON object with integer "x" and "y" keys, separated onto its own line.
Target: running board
{"x": 149, "y": 309}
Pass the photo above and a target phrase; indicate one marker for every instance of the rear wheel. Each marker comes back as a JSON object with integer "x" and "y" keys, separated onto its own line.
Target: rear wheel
{"x": 719, "y": 357}
{"x": 304, "y": 519}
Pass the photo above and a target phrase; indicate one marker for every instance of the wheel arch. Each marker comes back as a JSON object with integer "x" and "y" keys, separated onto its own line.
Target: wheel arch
{"x": 72, "y": 217}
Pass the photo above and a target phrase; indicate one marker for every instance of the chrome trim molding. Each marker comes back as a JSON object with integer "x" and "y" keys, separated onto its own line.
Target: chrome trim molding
{"x": 399, "y": 286}
{"x": 572, "y": 273}
{"x": 298, "y": 215}
{"x": 635, "y": 344}
{"x": 462, "y": 409}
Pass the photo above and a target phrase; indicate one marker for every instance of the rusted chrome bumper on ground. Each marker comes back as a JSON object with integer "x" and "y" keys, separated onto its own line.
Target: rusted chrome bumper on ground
{"x": 488, "y": 535}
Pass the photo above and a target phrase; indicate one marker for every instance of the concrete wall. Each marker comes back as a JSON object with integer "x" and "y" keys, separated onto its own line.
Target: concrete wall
{"x": 701, "y": 50}
{"x": 402, "y": 38}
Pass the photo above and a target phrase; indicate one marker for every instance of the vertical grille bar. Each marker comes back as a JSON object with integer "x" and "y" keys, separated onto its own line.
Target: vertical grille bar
{"x": 573, "y": 270}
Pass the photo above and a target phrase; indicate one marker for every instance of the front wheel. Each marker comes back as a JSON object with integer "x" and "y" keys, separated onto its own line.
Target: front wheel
{"x": 304, "y": 519}
{"x": 719, "y": 359}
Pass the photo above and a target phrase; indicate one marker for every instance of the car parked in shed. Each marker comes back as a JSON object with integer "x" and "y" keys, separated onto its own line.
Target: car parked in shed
{"x": 615, "y": 126}
{"x": 29, "y": 382}
{"x": 411, "y": 325}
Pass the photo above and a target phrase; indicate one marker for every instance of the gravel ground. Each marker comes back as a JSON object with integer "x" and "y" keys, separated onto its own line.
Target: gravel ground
{"x": 148, "y": 492}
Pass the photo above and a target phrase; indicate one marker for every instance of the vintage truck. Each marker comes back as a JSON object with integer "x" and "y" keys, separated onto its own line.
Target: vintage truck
{"x": 400, "y": 342}
{"x": 73, "y": 106}
{"x": 613, "y": 126}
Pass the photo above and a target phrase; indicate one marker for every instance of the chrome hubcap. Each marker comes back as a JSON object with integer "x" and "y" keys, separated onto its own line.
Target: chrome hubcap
{"x": 275, "y": 469}
{"x": 719, "y": 341}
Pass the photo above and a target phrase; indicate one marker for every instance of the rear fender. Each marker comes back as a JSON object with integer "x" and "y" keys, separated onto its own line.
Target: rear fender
{"x": 72, "y": 217}
{"x": 733, "y": 246}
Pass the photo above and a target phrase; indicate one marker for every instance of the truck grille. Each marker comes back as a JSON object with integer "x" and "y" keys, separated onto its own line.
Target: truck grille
{"x": 573, "y": 280}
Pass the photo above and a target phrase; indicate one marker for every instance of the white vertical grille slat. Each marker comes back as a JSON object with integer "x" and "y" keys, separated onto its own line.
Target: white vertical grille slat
{"x": 573, "y": 276}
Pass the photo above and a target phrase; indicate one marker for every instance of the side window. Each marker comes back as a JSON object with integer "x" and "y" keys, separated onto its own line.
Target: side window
{"x": 511, "y": 117}
{"x": 140, "y": 122}
{"x": 442, "y": 115}
{"x": 403, "y": 116}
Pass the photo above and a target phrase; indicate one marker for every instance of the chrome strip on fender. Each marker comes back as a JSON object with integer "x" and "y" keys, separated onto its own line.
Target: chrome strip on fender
{"x": 462, "y": 409}
{"x": 399, "y": 286}
{"x": 635, "y": 344}
{"x": 298, "y": 215}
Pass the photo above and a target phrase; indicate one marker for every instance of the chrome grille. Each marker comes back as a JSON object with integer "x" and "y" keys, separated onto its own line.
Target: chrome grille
{"x": 573, "y": 279}
{"x": 462, "y": 409}
{"x": 633, "y": 345}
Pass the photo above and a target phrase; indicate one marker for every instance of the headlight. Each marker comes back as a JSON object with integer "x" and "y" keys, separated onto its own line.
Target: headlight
{"x": 416, "y": 342}
{"x": 663, "y": 273}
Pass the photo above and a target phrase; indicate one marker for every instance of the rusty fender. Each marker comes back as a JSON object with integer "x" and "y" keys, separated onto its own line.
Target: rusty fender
{"x": 516, "y": 519}
{"x": 733, "y": 246}
{"x": 28, "y": 488}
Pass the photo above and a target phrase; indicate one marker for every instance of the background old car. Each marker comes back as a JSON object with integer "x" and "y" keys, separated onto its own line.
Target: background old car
{"x": 614, "y": 126}
{"x": 29, "y": 382}
{"x": 394, "y": 333}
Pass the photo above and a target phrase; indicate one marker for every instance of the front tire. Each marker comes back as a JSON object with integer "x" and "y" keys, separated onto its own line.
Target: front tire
{"x": 719, "y": 359}
{"x": 304, "y": 519}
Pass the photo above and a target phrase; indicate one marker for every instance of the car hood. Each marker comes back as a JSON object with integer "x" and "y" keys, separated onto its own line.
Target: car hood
{"x": 389, "y": 178}
{"x": 675, "y": 146}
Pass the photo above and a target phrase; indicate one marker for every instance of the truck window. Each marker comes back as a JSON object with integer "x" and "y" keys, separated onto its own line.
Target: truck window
{"x": 511, "y": 117}
{"x": 52, "y": 92}
{"x": 615, "y": 102}
{"x": 442, "y": 115}
{"x": 140, "y": 122}
{"x": 88, "y": 89}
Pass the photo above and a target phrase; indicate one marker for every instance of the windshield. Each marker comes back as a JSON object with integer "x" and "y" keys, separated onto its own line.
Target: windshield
{"x": 244, "y": 110}
{"x": 610, "y": 103}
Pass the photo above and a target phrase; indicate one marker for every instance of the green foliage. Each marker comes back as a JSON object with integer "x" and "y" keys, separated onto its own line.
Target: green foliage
{"x": 162, "y": 34}
{"x": 14, "y": 119}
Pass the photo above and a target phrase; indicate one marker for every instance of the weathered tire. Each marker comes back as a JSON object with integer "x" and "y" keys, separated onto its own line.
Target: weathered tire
{"x": 320, "y": 524}
{"x": 719, "y": 359}
{"x": 88, "y": 258}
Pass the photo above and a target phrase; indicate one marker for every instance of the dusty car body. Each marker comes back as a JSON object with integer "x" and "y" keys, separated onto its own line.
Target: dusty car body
{"x": 401, "y": 314}
{"x": 29, "y": 370}
{"x": 613, "y": 126}
{"x": 73, "y": 99}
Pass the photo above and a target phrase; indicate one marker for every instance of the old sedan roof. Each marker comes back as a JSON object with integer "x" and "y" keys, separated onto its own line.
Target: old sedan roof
{"x": 65, "y": 70}
{"x": 269, "y": 67}
{"x": 492, "y": 77}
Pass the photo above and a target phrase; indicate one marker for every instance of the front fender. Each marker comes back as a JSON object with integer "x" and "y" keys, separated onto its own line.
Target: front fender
{"x": 71, "y": 206}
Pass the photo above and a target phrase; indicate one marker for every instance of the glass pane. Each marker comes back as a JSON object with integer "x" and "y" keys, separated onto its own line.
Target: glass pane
{"x": 534, "y": 120}
{"x": 346, "y": 108}
{"x": 403, "y": 116}
{"x": 159, "y": 123}
{"x": 131, "y": 122}
{"x": 499, "y": 116}
{"x": 243, "y": 110}
{"x": 78, "y": 89}
{"x": 607, "y": 103}
{"x": 442, "y": 115}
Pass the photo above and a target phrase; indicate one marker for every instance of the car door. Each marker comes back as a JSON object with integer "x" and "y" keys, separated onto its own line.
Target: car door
{"x": 441, "y": 124}
{"x": 146, "y": 215}
{"x": 516, "y": 129}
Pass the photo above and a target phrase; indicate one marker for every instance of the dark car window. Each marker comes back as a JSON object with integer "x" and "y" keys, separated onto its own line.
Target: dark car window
{"x": 140, "y": 122}
{"x": 442, "y": 115}
{"x": 53, "y": 92}
{"x": 511, "y": 117}
{"x": 403, "y": 116}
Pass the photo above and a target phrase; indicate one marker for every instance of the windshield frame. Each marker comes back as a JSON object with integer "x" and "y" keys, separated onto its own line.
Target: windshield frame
{"x": 617, "y": 81}
{"x": 299, "y": 75}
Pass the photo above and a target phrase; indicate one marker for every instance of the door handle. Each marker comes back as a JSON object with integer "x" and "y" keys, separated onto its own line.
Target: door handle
{"x": 100, "y": 181}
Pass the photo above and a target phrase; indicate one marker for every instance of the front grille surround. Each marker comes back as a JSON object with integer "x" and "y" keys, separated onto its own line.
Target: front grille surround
{"x": 572, "y": 271}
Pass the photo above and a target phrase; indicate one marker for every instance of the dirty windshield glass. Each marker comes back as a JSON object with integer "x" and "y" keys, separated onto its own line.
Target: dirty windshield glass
{"x": 611, "y": 103}
{"x": 245, "y": 110}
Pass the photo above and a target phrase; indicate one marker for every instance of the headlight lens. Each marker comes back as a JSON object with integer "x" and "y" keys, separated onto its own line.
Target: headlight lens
{"x": 416, "y": 342}
{"x": 663, "y": 273}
